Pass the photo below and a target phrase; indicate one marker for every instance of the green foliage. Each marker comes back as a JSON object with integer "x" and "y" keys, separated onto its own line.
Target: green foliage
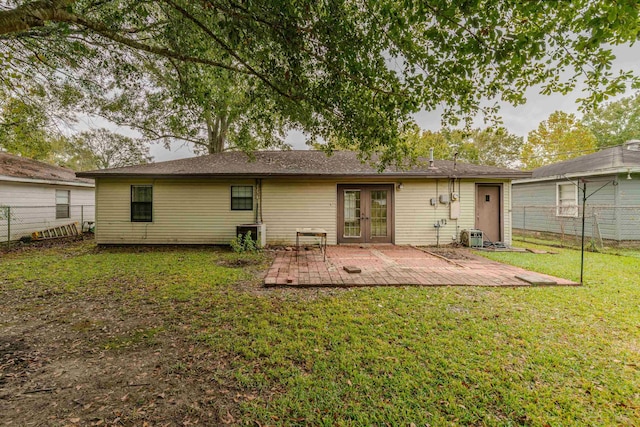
{"x": 340, "y": 71}
{"x": 213, "y": 110}
{"x": 489, "y": 146}
{"x": 101, "y": 149}
{"x": 616, "y": 122}
{"x": 558, "y": 138}
{"x": 242, "y": 244}
{"x": 25, "y": 128}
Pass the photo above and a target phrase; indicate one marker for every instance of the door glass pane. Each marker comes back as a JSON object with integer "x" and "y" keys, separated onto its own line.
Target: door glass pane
{"x": 379, "y": 213}
{"x": 352, "y": 225}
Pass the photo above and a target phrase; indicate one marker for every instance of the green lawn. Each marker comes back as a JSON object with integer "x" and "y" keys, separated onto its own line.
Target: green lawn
{"x": 380, "y": 356}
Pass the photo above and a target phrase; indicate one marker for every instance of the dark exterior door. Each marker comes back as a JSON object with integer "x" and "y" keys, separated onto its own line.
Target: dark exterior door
{"x": 365, "y": 213}
{"x": 488, "y": 211}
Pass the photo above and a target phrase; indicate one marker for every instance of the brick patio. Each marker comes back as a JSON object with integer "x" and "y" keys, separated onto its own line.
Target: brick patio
{"x": 384, "y": 265}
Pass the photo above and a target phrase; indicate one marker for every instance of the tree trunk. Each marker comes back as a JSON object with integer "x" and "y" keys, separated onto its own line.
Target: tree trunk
{"x": 217, "y": 128}
{"x": 37, "y": 14}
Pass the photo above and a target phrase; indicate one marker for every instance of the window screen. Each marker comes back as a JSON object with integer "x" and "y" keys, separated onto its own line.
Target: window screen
{"x": 62, "y": 204}
{"x": 567, "y": 200}
{"x": 141, "y": 203}
{"x": 241, "y": 198}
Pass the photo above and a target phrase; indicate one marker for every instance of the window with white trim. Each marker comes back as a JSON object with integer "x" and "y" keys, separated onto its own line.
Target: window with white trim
{"x": 566, "y": 200}
{"x": 62, "y": 204}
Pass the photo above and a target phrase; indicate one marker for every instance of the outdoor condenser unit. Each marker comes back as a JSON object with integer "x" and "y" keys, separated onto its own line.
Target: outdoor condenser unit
{"x": 471, "y": 238}
{"x": 258, "y": 232}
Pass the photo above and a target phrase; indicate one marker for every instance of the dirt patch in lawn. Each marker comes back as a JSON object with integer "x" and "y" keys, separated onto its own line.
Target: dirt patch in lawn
{"x": 35, "y": 245}
{"x": 98, "y": 362}
{"x": 452, "y": 253}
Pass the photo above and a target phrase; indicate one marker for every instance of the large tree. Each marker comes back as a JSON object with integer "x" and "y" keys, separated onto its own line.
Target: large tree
{"x": 616, "y": 122}
{"x": 102, "y": 149}
{"x": 28, "y": 128}
{"x": 211, "y": 109}
{"x": 338, "y": 69}
{"x": 562, "y": 136}
{"x": 488, "y": 146}
{"x": 23, "y": 129}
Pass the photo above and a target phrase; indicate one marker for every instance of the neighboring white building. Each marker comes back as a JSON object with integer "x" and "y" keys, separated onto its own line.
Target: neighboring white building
{"x": 36, "y": 196}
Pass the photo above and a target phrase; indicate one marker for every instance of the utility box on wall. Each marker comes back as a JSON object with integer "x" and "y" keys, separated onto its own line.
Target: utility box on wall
{"x": 454, "y": 210}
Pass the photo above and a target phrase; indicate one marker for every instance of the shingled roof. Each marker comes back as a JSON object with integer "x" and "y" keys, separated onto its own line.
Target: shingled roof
{"x": 17, "y": 168}
{"x": 614, "y": 159}
{"x": 297, "y": 164}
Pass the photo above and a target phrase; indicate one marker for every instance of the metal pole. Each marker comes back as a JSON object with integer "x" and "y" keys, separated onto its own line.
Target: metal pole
{"x": 524, "y": 222}
{"x": 8, "y": 224}
{"x": 81, "y": 219}
{"x": 584, "y": 203}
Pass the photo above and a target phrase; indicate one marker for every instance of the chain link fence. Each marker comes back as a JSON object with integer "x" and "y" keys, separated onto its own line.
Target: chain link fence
{"x": 605, "y": 225}
{"x": 17, "y": 222}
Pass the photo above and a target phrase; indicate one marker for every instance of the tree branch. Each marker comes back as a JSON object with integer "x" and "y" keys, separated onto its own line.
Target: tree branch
{"x": 30, "y": 15}
{"x": 231, "y": 52}
{"x": 38, "y": 14}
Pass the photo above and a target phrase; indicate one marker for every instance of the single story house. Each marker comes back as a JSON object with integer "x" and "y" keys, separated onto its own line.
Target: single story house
{"x": 36, "y": 196}
{"x": 551, "y": 199}
{"x": 201, "y": 200}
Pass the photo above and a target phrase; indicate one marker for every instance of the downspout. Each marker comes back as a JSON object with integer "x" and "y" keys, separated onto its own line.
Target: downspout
{"x": 259, "y": 211}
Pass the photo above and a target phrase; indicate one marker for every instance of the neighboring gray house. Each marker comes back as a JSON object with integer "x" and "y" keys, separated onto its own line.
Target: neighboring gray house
{"x": 551, "y": 201}
{"x": 35, "y": 196}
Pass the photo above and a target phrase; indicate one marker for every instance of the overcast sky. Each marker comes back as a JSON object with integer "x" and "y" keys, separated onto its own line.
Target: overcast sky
{"x": 518, "y": 120}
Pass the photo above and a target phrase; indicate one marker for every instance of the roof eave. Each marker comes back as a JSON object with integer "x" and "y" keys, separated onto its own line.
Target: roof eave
{"x": 514, "y": 175}
{"x": 610, "y": 171}
{"x": 7, "y": 178}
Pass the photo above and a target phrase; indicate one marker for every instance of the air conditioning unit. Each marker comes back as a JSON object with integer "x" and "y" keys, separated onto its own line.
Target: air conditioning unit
{"x": 258, "y": 232}
{"x": 471, "y": 238}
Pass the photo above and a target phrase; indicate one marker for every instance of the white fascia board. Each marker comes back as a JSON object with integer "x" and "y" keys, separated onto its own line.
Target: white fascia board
{"x": 612, "y": 171}
{"x": 45, "y": 181}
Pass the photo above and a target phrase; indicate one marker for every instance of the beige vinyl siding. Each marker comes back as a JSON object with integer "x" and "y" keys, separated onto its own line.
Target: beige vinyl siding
{"x": 287, "y": 205}
{"x": 415, "y": 217}
{"x": 184, "y": 211}
{"x": 198, "y": 211}
{"x": 507, "y": 213}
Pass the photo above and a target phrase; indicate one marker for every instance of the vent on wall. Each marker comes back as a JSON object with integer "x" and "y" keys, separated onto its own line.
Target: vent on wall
{"x": 633, "y": 145}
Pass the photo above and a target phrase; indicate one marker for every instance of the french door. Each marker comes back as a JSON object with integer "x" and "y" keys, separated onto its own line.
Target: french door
{"x": 365, "y": 213}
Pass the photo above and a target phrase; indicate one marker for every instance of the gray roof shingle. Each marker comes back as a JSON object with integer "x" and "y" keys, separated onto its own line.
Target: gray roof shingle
{"x": 618, "y": 158}
{"x": 23, "y": 168}
{"x": 297, "y": 163}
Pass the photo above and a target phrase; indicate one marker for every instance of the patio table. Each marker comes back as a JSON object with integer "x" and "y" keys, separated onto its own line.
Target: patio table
{"x": 313, "y": 232}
